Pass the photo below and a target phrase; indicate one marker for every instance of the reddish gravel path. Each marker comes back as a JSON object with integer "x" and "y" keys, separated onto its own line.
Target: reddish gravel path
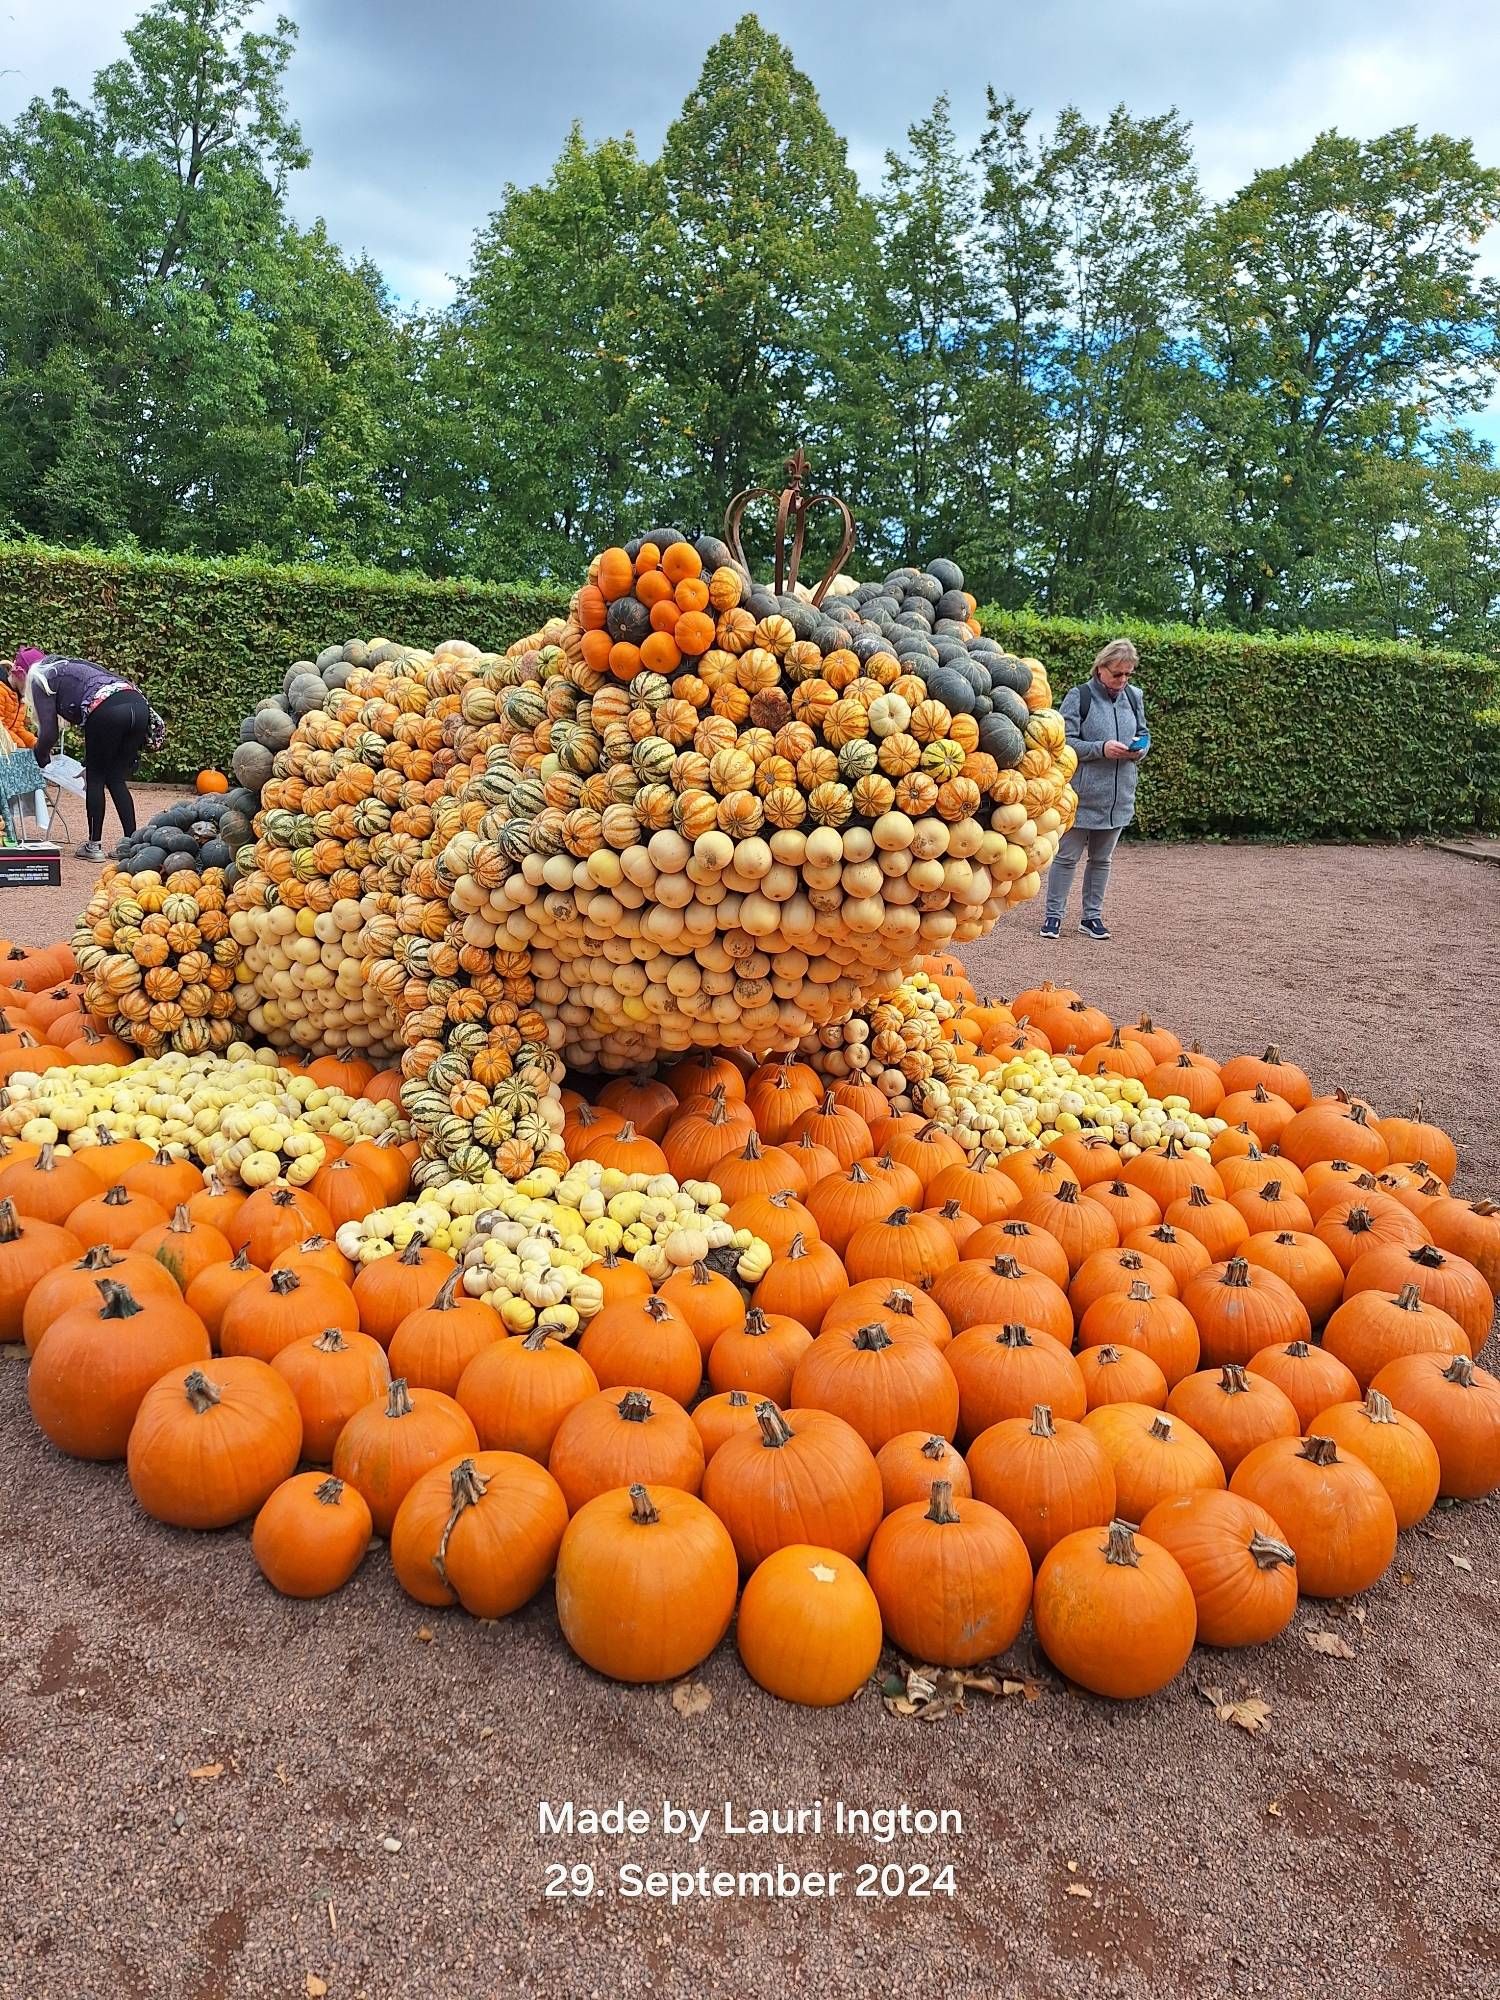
{"x": 1317, "y": 1856}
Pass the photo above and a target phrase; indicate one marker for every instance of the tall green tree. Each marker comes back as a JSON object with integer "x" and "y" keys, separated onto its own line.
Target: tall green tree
{"x": 764, "y": 263}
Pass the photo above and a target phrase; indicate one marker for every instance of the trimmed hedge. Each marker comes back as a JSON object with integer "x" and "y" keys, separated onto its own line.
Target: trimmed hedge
{"x": 1307, "y": 738}
{"x": 208, "y": 640}
{"x": 1321, "y": 737}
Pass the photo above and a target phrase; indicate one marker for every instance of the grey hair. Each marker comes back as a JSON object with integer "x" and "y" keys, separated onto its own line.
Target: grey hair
{"x": 1119, "y": 652}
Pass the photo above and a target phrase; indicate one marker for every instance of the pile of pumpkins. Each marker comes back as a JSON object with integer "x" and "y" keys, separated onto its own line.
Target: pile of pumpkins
{"x": 160, "y": 959}
{"x": 692, "y": 813}
{"x": 1147, "y": 1397}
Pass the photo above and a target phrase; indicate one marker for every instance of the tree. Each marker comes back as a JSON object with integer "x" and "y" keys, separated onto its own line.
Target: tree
{"x": 764, "y": 263}
{"x": 1334, "y": 301}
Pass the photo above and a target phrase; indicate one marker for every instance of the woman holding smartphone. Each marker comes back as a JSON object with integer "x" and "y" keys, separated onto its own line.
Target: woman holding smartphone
{"x": 1106, "y": 724}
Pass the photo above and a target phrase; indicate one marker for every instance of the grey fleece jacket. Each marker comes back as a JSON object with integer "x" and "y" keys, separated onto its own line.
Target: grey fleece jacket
{"x": 1105, "y": 786}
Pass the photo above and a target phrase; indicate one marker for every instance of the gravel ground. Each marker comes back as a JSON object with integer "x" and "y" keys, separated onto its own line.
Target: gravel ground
{"x": 38, "y": 916}
{"x": 204, "y": 1782}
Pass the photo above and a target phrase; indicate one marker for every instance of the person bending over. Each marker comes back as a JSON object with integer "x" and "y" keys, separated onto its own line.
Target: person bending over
{"x": 113, "y": 714}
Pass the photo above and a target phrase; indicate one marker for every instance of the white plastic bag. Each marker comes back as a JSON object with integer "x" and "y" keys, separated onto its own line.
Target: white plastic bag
{"x": 67, "y": 773}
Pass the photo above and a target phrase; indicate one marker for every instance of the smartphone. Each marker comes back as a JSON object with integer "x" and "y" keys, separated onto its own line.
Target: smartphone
{"x": 1140, "y": 742}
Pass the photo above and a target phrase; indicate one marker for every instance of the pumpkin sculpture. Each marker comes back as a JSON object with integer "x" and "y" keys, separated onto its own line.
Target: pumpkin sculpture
{"x": 953, "y": 1581}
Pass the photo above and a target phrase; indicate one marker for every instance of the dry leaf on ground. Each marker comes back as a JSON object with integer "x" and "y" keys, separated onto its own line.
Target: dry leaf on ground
{"x": 314, "y": 1987}
{"x": 929, "y": 1692}
{"x": 1079, "y": 1889}
{"x": 691, "y": 1698}
{"x": 1248, "y": 1713}
{"x": 207, "y": 1771}
{"x": 1331, "y": 1644}
{"x": 1461, "y": 1562}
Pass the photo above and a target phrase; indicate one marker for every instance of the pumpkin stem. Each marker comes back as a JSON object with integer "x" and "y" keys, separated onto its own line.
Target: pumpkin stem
{"x": 755, "y": 1322}
{"x": 331, "y": 1341}
{"x": 1012, "y": 1335}
{"x": 899, "y": 1300}
{"x": 634, "y": 1406}
{"x": 240, "y": 1261}
{"x": 536, "y": 1340}
{"x": 1285, "y": 1236}
{"x": 98, "y": 1257}
{"x": 412, "y": 1254}
{"x": 1161, "y": 1427}
{"x": 1260, "y": 1095}
{"x": 641, "y": 1510}
{"x": 775, "y": 1431}
{"x": 1460, "y": 1371}
{"x": 1236, "y": 1273}
{"x": 738, "y": 1400}
{"x": 1271, "y": 1554}
{"x": 626, "y": 1135}
{"x": 118, "y": 1303}
{"x": 181, "y": 1223}
{"x": 466, "y": 1484}
{"x": 281, "y": 1197}
{"x": 200, "y": 1392}
{"x": 44, "y": 1160}
{"x": 1140, "y": 1291}
{"x": 942, "y": 1509}
{"x": 444, "y": 1302}
{"x": 870, "y": 1339}
{"x": 1232, "y": 1379}
{"x": 398, "y": 1399}
{"x": 1119, "y": 1546}
{"x": 10, "y": 1225}
{"x": 935, "y": 1447}
{"x": 798, "y": 1248}
{"x": 1320, "y": 1451}
{"x": 1005, "y": 1266}
{"x": 1378, "y": 1408}
{"x": 1130, "y": 1260}
{"x": 1165, "y": 1232}
{"x": 752, "y": 1147}
{"x": 857, "y": 1176}
{"x": 1409, "y": 1299}
{"x": 1041, "y": 1421}
{"x": 951, "y": 1211}
{"x": 657, "y": 1308}
{"x": 1271, "y": 1191}
{"x": 283, "y": 1282}
{"x": 1296, "y": 1350}
{"x": 1428, "y": 1256}
{"x": 1108, "y": 1355}
{"x": 1067, "y": 1193}
{"x": 330, "y": 1491}
{"x": 1358, "y": 1113}
{"x": 1198, "y": 1196}
{"x": 898, "y": 1218}
{"x": 118, "y": 1196}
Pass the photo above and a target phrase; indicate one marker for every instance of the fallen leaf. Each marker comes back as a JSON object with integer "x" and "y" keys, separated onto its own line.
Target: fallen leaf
{"x": 314, "y": 1987}
{"x": 1331, "y": 1644}
{"x": 691, "y": 1698}
{"x": 207, "y": 1771}
{"x": 1461, "y": 1562}
{"x": 1079, "y": 1889}
{"x": 1406, "y": 1579}
{"x": 281, "y": 1776}
{"x": 1359, "y": 1614}
{"x": 1274, "y": 1809}
{"x": 1249, "y": 1713}
{"x": 424, "y": 1635}
{"x": 485, "y": 1733}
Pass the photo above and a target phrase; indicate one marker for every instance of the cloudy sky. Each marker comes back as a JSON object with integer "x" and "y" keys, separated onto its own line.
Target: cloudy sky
{"x": 418, "y": 115}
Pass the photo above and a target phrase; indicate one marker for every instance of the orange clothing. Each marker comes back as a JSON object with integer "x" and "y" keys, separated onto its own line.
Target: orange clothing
{"x": 13, "y": 718}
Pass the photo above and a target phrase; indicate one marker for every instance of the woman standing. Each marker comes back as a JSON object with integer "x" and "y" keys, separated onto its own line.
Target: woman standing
{"x": 116, "y": 720}
{"x": 1106, "y": 724}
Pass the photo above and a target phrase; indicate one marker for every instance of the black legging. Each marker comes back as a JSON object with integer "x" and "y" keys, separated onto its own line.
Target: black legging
{"x": 114, "y": 735}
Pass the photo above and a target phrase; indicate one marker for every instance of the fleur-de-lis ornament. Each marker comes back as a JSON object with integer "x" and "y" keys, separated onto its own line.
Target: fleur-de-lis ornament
{"x": 792, "y": 507}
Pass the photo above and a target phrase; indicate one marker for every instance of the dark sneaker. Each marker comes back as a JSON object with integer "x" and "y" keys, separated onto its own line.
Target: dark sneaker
{"x": 1096, "y": 928}
{"x": 1051, "y": 927}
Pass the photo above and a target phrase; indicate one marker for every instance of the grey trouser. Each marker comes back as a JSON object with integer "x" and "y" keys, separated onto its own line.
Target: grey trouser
{"x": 1100, "y": 843}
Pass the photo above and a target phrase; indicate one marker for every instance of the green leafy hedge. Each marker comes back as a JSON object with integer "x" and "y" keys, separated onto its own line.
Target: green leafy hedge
{"x": 207, "y": 640}
{"x": 1307, "y": 738}
{"x": 1315, "y": 738}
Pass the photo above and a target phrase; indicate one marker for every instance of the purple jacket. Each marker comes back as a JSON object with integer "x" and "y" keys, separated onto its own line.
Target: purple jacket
{"x": 60, "y": 691}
